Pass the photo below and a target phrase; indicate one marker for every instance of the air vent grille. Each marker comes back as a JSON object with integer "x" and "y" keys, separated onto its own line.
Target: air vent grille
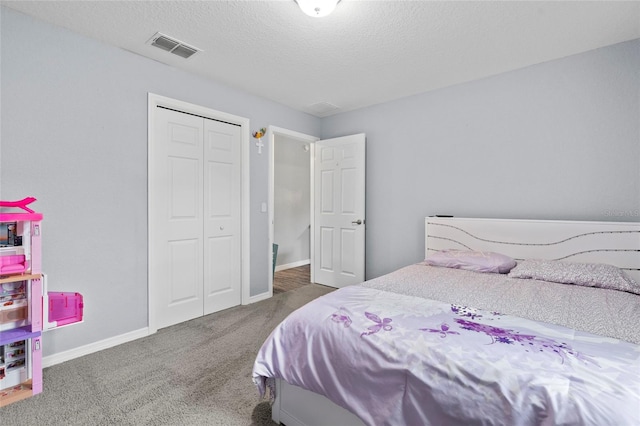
{"x": 172, "y": 45}
{"x": 323, "y": 108}
{"x": 184, "y": 51}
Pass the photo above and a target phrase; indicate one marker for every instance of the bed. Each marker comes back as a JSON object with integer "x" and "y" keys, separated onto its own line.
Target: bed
{"x": 553, "y": 340}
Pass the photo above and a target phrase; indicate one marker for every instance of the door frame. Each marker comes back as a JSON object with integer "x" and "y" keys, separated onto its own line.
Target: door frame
{"x": 154, "y": 101}
{"x": 272, "y": 132}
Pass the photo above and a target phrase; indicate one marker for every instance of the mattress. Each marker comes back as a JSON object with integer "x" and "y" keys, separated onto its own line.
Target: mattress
{"x": 600, "y": 311}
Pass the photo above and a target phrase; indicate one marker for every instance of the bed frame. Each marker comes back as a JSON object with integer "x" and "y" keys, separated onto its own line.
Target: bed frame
{"x": 615, "y": 243}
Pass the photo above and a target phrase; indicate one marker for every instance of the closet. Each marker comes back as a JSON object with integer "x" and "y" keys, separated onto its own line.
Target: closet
{"x": 195, "y": 219}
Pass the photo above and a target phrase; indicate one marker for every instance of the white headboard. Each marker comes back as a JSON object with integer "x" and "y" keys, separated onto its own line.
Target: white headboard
{"x": 615, "y": 243}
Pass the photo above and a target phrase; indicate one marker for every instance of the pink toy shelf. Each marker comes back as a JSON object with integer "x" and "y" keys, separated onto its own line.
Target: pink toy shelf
{"x": 21, "y": 316}
{"x": 64, "y": 309}
{"x": 26, "y": 307}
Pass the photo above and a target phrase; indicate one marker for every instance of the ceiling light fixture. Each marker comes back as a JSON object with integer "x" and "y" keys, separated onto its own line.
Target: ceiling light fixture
{"x": 317, "y": 8}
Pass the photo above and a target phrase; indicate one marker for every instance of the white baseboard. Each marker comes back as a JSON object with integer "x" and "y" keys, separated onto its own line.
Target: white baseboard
{"x": 293, "y": 265}
{"x": 61, "y": 357}
{"x": 259, "y": 297}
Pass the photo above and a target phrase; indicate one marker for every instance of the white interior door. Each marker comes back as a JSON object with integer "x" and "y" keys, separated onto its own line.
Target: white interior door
{"x": 339, "y": 211}
{"x": 222, "y": 225}
{"x": 197, "y": 225}
{"x": 178, "y": 224}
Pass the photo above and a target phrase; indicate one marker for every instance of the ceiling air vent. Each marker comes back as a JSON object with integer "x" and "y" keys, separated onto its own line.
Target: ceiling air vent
{"x": 172, "y": 45}
{"x": 323, "y": 108}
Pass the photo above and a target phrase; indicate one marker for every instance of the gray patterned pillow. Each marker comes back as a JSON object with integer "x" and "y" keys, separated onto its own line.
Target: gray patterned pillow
{"x": 585, "y": 274}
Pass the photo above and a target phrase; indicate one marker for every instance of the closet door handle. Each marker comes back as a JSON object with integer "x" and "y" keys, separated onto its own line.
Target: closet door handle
{"x": 357, "y": 222}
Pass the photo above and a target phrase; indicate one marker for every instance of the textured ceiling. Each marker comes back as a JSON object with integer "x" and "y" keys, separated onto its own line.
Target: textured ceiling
{"x": 366, "y": 52}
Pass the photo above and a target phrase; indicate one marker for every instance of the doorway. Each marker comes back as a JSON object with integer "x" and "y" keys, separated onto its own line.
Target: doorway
{"x": 290, "y": 208}
{"x": 337, "y": 206}
{"x": 291, "y": 195}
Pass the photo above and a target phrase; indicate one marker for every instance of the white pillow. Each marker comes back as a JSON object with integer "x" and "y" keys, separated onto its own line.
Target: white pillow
{"x": 479, "y": 261}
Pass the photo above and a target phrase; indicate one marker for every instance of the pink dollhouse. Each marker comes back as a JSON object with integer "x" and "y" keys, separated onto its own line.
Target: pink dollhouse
{"x": 22, "y": 305}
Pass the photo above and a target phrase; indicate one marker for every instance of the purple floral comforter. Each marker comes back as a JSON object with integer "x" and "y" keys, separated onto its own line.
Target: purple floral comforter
{"x": 395, "y": 359}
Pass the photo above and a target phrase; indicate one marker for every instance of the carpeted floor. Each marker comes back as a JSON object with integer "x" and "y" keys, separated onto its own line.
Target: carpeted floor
{"x": 194, "y": 373}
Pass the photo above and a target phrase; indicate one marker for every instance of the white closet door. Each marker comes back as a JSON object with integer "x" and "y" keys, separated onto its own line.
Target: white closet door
{"x": 178, "y": 221}
{"x": 195, "y": 216}
{"x": 222, "y": 225}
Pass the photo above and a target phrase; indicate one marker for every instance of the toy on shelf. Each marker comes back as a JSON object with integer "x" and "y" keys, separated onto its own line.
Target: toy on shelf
{"x": 21, "y": 204}
{"x": 19, "y": 238}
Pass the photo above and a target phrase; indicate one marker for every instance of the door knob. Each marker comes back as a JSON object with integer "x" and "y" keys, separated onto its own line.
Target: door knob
{"x": 357, "y": 222}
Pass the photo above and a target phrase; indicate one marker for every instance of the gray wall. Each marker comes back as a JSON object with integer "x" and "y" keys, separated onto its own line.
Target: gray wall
{"x": 74, "y": 135}
{"x": 292, "y": 209}
{"x": 558, "y": 140}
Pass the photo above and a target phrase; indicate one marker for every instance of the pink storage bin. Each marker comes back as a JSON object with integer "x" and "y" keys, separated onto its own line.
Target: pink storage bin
{"x": 13, "y": 264}
{"x": 65, "y": 308}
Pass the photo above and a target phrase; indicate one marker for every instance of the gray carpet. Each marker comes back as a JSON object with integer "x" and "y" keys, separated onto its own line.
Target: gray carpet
{"x": 194, "y": 373}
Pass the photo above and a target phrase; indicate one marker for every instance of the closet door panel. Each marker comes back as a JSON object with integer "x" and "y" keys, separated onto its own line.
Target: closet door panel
{"x": 222, "y": 257}
{"x": 178, "y": 220}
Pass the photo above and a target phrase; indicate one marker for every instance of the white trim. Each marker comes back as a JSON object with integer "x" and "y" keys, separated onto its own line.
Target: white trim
{"x": 65, "y": 356}
{"x": 153, "y": 102}
{"x": 312, "y": 209}
{"x": 293, "y": 265}
{"x": 260, "y": 297}
{"x": 272, "y": 131}
{"x": 246, "y": 214}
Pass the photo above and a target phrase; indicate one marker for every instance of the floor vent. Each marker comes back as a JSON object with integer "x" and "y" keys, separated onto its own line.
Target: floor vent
{"x": 172, "y": 45}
